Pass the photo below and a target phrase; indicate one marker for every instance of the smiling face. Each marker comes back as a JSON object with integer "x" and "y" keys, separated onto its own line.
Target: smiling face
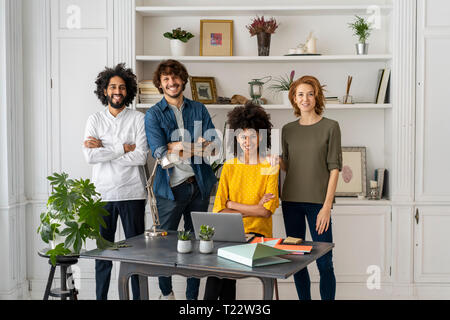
{"x": 305, "y": 98}
{"x": 248, "y": 140}
{"x": 172, "y": 85}
{"x": 116, "y": 92}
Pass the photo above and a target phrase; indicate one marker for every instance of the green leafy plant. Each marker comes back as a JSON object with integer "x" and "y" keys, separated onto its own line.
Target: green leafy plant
{"x": 283, "y": 83}
{"x": 184, "y": 235}
{"x": 259, "y": 25}
{"x": 206, "y": 232}
{"x": 361, "y": 28}
{"x": 74, "y": 213}
{"x": 179, "y": 34}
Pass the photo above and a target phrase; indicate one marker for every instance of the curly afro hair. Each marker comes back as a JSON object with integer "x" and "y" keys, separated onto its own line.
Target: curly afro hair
{"x": 250, "y": 116}
{"x": 126, "y": 74}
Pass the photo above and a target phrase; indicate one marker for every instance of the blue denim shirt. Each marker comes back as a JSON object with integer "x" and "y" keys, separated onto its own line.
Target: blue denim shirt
{"x": 160, "y": 123}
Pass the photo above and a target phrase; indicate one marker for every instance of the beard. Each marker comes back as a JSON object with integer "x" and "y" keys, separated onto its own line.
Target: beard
{"x": 116, "y": 105}
{"x": 166, "y": 91}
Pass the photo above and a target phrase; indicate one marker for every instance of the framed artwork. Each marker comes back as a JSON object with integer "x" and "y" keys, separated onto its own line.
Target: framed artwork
{"x": 203, "y": 89}
{"x": 216, "y": 37}
{"x": 352, "y": 178}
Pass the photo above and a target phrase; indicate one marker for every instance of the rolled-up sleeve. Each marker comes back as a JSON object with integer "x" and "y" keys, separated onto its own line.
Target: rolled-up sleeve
{"x": 334, "y": 155}
{"x": 155, "y": 135}
{"x": 222, "y": 194}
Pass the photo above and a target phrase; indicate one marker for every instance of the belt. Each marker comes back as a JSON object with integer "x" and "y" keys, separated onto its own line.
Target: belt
{"x": 190, "y": 179}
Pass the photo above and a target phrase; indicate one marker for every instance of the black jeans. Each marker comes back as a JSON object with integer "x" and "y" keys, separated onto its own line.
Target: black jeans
{"x": 187, "y": 199}
{"x": 295, "y": 215}
{"x": 132, "y": 214}
{"x": 222, "y": 289}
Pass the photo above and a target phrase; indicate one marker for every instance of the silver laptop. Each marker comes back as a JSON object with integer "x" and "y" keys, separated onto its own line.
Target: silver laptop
{"x": 228, "y": 226}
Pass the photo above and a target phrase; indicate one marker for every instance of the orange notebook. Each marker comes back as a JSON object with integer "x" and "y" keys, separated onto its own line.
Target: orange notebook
{"x": 262, "y": 239}
{"x": 295, "y": 249}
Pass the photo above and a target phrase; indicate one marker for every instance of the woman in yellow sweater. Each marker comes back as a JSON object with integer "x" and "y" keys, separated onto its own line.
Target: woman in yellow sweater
{"x": 248, "y": 184}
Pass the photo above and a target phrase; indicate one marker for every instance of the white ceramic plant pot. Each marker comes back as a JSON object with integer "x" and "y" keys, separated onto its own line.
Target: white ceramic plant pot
{"x": 206, "y": 246}
{"x": 184, "y": 246}
{"x": 285, "y": 95}
{"x": 177, "y": 47}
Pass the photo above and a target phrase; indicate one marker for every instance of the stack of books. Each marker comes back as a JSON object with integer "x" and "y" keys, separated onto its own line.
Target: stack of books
{"x": 332, "y": 100}
{"x": 148, "y": 93}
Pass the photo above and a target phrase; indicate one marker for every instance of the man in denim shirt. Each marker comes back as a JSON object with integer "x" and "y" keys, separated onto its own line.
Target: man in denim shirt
{"x": 172, "y": 126}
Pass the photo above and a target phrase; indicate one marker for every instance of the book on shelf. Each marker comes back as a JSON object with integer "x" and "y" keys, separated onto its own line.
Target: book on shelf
{"x": 148, "y": 93}
{"x": 380, "y": 174}
{"x": 383, "y": 86}
{"x": 253, "y": 254}
{"x": 332, "y": 100}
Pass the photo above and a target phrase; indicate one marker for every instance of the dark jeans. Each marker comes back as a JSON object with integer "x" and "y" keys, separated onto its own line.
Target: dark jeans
{"x": 222, "y": 289}
{"x": 187, "y": 199}
{"x": 132, "y": 214}
{"x": 294, "y": 214}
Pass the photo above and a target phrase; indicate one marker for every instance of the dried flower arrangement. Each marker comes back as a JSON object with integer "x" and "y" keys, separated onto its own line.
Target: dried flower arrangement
{"x": 259, "y": 25}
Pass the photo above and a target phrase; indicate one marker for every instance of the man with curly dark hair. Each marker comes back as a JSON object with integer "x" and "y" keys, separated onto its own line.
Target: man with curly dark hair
{"x": 248, "y": 184}
{"x": 116, "y": 145}
{"x": 174, "y": 126}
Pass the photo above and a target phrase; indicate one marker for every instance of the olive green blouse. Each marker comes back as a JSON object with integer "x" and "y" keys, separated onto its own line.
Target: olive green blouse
{"x": 310, "y": 152}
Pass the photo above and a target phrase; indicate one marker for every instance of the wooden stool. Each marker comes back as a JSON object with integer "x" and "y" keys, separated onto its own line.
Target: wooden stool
{"x": 64, "y": 263}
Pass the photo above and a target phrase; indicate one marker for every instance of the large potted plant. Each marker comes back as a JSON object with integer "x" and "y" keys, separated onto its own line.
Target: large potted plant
{"x": 283, "y": 84}
{"x": 178, "y": 39}
{"x": 74, "y": 214}
{"x": 263, "y": 29}
{"x": 361, "y": 29}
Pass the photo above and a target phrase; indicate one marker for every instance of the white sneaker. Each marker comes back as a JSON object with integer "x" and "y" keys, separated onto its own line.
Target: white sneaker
{"x": 170, "y": 296}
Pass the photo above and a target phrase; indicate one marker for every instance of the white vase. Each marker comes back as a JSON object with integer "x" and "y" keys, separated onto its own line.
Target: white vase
{"x": 285, "y": 95}
{"x": 184, "y": 246}
{"x": 206, "y": 246}
{"x": 177, "y": 47}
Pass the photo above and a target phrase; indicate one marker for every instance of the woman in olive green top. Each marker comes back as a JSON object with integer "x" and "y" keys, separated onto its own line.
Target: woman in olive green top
{"x": 312, "y": 159}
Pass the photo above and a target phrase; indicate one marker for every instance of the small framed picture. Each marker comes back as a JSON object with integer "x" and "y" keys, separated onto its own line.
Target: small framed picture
{"x": 352, "y": 178}
{"x": 203, "y": 89}
{"x": 216, "y": 37}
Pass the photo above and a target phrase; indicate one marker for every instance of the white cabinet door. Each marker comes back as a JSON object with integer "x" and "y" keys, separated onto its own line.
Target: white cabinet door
{"x": 362, "y": 237}
{"x": 433, "y": 111}
{"x": 432, "y": 252}
{"x": 81, "y": 46}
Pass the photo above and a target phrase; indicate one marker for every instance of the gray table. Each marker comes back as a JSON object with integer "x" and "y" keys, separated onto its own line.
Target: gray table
{"x": 153, "y": 257}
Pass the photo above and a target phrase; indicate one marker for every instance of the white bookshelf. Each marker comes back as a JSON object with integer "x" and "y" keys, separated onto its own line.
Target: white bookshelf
{"x": 275, "y": 10}
{"x": 304, "y": 58}
{"x": 355, "y": 106}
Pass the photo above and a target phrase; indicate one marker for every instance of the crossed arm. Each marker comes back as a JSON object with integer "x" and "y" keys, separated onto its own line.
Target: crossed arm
{"x": 125, "y": 154}
{"x": 257, "y": 210}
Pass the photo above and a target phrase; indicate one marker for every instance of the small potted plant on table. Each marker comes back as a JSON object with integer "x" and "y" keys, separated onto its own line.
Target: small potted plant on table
{"x": 206, "y": 243}
{"x": 184, "y": 244}
{"x": 178, "y": 40}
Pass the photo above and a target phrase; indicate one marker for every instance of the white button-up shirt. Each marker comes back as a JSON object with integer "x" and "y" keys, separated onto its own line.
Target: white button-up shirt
{"x": 118, "y": 176}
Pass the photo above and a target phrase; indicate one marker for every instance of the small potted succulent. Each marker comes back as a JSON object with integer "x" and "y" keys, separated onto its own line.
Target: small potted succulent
{"x": 184, "y": 244}
{"x": 283, "y": 84}
{"x": 206, "y": 243}
{"x": 263, "y": 29}
{"x": 362, "y": 29}
{"x": 178, "y": 39}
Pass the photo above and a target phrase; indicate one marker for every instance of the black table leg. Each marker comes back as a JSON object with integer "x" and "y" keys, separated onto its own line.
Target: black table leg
{"x": 49, "y": 282}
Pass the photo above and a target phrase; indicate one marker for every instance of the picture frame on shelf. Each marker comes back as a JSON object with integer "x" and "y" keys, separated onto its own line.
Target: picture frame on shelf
{"x": 216, "y": 37}
{"x": 203, "y": 89}
{"x": 353, "y": 177}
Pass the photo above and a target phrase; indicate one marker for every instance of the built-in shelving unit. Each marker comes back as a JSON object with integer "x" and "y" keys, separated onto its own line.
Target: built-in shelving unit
{"x": 355, "y": 106}
{"x": 303, "y": 58}
{"x": 362, "y": 124}
{"x": 296, "y": 10}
